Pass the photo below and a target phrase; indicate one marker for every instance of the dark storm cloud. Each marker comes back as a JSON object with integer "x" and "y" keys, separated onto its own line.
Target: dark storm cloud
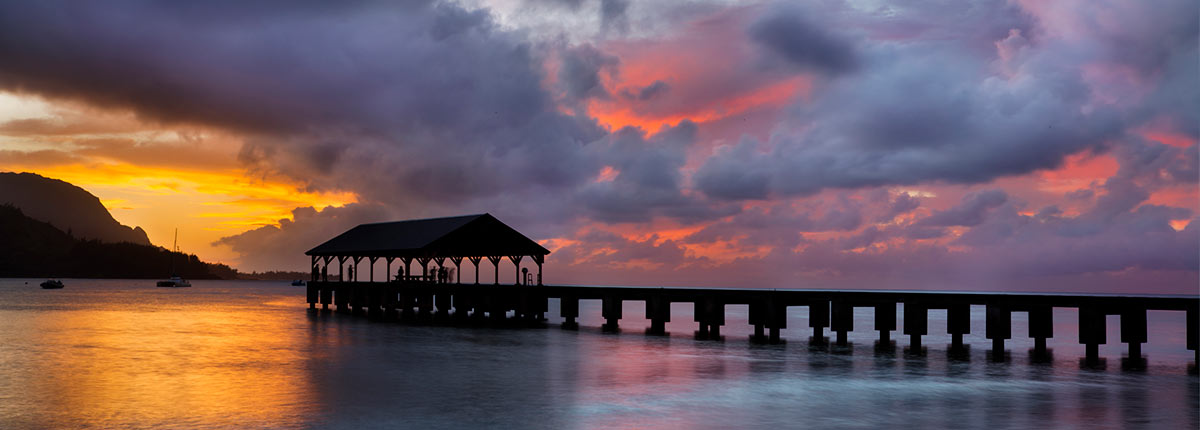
{"x": 374, "y": 97}
{"x": 579, "y": 73}
{"x": 792, "y": 35}
{"x": 971, "y": 212}
{"x": 648, "y": 92}
{"x": 903, "y": 203}
{"x": 648, "y": 181}
{"x": 918, "y": 112}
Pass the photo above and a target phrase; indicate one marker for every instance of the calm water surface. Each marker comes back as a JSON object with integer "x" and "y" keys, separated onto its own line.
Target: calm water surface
{"x": 225, "y": 354}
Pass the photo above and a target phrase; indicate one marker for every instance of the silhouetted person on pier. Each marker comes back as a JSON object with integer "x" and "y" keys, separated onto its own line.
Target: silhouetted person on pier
{"x": 400, "y": 274}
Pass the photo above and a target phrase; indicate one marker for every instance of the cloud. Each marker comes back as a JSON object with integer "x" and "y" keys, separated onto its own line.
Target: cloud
{"x": 925, "y": 110}
{"x": 421, "y": 96}
{"x": 647, "y": 92}
{"x": 903, "y": 203}
{"x": 612, "y": 15}
{"x": 648, "y": 182}
{"x": 970, "y": 212}
{"x": 272, "y": 247}
{"x": 579, "y": 73}
{"x": 788, "y": 33}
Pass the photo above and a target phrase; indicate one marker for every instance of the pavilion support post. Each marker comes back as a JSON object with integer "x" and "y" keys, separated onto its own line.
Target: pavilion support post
{"x": 457, "y": 269}
{"x": 341, "y": 268}
{"x": 516, "y": 261}
{"x": 441, "y": 265}
{"x": 312, "y": 295}
{"x": 371, "y": 268}
{"x": 314, "y": 269}
{"x": 424, "y": 262}
{"x": 354, "y": 271}
{"x": 387, "y": 270}
{"x": 495, "y": 259}
{"x": 539, "y": 259}
{"x": 407, "y": 265}
{"x": 475, "y": 261}
{"x": 325, "y": 270}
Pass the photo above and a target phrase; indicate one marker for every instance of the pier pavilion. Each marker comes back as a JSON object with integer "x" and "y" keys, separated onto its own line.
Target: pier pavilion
{"x": 470, "y": 237}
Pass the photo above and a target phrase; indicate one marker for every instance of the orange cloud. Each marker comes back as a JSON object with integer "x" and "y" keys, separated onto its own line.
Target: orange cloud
{"x": 1078, "y": 171}
{"x": 617, "y": 114}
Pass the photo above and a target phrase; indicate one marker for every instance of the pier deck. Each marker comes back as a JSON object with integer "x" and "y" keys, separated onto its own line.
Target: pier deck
{"x": 828, "y": 309}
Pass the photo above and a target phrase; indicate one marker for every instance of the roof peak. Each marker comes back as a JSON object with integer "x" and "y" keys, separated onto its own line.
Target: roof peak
{"x": 429, "y": 219}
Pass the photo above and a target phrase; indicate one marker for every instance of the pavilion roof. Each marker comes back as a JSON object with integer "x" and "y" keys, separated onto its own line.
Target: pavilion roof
{"x": 460, "y": 236}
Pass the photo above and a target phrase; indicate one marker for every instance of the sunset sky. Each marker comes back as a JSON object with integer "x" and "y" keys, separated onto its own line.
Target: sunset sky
{"x": 968, "y": 145}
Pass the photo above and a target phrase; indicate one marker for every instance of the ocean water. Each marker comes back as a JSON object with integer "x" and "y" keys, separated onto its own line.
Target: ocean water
{"x": 235, "y": 354}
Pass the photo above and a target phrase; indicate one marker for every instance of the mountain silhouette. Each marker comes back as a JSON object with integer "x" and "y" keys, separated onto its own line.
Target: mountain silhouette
{"x": 66, "y": 207}
{"x": 33, "y": 248}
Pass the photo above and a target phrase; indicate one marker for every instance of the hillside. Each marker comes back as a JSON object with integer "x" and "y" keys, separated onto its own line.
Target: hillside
{"x": 34, "y": 248}
{"x": 66, "y": 207}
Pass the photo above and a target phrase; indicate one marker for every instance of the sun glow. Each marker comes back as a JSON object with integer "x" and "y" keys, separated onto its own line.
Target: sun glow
{"x": 203, "y": 205}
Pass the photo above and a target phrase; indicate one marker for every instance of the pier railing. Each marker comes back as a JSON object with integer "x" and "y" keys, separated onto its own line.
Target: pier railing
{"x": 828, "y": 309}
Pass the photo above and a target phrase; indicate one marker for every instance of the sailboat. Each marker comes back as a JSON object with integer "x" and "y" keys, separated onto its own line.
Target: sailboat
{"x": 175, "y": 281}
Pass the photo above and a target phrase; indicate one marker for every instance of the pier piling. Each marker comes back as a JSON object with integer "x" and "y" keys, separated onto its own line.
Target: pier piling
{"x": 1091, "y": 331}
{"x": 1133, "y": 330}
{"x": 568, "y": 309}
{"x": 658, "y": 311}
{"x": 916, "y": 323}
{"x": 842, "y": 320}
{"x": 885, "y": 321}
{"x": 998, "y": 328}
{"x": 818, "y": 319}
{"x": 1041, "y": 327}
{"x": 958, "y": 323}
{"x": 611, "y": 311}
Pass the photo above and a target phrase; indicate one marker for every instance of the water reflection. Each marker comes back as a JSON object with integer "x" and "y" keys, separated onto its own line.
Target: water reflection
{"x": 164, "y": 369}
{"x": 236, "y": 356}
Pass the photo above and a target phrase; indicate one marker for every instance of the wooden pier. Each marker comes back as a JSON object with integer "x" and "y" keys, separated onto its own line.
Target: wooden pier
{"x": 437, "y": 295}
{"x": 452, "y": 303}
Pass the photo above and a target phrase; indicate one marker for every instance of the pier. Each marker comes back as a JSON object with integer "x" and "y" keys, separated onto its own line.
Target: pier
{"x": 454, "y": 303}
{"x": 438, "y": 296}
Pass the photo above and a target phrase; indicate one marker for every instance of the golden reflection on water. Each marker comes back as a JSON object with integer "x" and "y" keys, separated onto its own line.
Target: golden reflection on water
{"x": 190, "y": 368}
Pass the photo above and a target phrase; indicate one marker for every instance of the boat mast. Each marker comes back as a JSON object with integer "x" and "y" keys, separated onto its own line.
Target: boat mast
{"x": 174, "y": 249}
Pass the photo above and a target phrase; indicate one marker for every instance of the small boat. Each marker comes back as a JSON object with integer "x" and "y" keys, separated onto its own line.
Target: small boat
{"x": 298, "y": 283}
{"x": 52, "y": 284}
{"x": 175, "y": 282}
